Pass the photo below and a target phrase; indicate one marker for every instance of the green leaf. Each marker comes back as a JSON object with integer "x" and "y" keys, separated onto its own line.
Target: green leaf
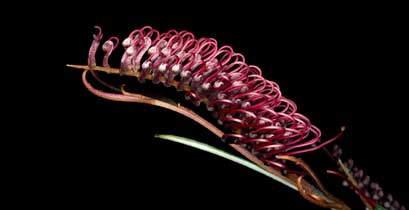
{"x": 221, "y": 153}
{"x": 379, "y": 207}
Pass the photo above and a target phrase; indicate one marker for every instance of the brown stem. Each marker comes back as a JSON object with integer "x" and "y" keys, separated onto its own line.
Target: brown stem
{"x": 128, "y": 73}
{"x": 310, "y": 196}
{"x": 334, "y": 201}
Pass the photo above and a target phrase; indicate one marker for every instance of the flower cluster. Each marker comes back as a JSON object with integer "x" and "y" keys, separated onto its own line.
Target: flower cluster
{"x": 370, "y": 189}
{"x": 250, "y": 107}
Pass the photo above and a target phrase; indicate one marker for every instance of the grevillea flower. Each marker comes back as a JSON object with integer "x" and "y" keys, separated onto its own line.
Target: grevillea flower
{"x": 251, "y": 108}
{"x": 371, "y": 190}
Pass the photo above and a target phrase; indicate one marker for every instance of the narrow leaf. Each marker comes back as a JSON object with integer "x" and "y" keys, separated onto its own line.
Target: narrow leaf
{"x": 221, "y": 153}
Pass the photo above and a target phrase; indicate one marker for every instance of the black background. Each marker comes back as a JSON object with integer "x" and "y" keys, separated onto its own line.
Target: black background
{"x": 338, "y": 63}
